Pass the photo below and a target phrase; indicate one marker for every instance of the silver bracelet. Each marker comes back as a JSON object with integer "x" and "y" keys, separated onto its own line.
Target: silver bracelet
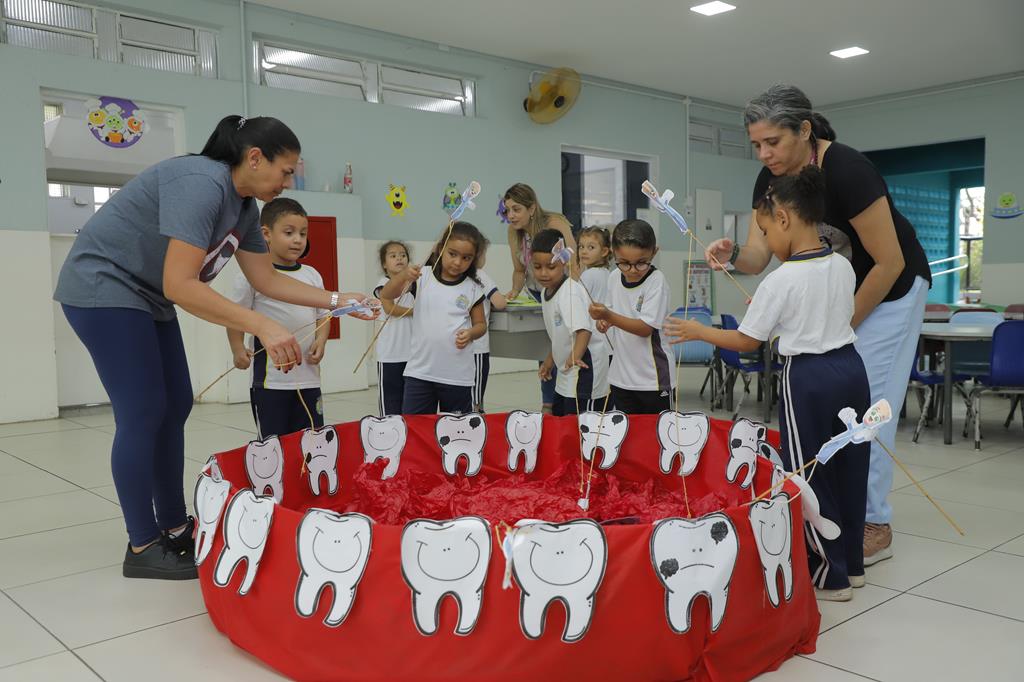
{"x": 334, "y": 299}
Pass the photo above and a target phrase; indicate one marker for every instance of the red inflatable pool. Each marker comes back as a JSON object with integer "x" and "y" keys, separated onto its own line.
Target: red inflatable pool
{"x": 437, "y": 562}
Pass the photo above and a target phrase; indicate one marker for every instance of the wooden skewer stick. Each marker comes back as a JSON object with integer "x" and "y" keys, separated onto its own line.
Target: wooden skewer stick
{"x": 778, "y": 486}
{"x": 921, "y": 488}
{"x": 719, "y": 264}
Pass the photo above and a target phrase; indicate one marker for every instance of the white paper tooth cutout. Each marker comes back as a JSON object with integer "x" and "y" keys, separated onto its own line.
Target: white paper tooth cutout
{"x": 768, "y": 451}
{"x": 320, "y": 452}
{"x": 772, "y": 526}
{"x": 264, "y": 464}
{"x": 246, "y": 528}
{"x": 210, "y": 496}
{"x": 441, "y": 558}
{"x": 694, "y": 557}
{"x": 333, "y": 550}
{"x": 383, "y": 438}
{"x": 558, "y": 562}
{"x": 744, "y": 438}
{"x": 683, "y": 434}
{"x": 604, "y": 431}
{"x": 809, "y": 505}
{"x": 523, "y": 432}
{"x": 461, "y": 437}
{"x": 212, "y": 468}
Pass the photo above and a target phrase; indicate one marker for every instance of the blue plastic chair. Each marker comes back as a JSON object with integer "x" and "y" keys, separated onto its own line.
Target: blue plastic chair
{"x": 737, "y": 366}
{"x": 929, "y": 382}
{"x": 1006, "y": 374}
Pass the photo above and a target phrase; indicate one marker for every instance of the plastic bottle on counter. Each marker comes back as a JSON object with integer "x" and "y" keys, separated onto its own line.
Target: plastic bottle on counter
{"x": 300, "y": 174}
{"x": 346, "y": 182}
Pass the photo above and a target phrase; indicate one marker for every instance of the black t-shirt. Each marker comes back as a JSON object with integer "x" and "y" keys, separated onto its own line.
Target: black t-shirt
{"x": 852, "y": 183}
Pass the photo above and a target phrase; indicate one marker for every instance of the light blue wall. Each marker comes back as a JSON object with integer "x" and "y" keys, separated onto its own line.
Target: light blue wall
{"x": 385, "y": 144}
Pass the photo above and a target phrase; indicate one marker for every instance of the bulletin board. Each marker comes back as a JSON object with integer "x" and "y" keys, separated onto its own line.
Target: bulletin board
{"x": 700, "y": 291}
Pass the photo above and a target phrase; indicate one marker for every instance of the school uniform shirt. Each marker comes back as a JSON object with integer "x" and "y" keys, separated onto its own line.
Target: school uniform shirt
{"x": 596, "y": 281}
{"x": 441, "y": 309}
{"x": 565, "y": 312}
{"x": 291, "y": 317}
{"x": 642, "y": 363}
{"x": 394, "y": 344}
{"x": 483, "y": 344}
{"x": 807, "y": 303}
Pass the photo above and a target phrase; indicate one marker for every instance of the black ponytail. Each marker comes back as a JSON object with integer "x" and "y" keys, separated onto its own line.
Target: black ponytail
{"x": 804, "y": 193}
{"x": 821, "y": 129}
{"x": 235, "y": 135}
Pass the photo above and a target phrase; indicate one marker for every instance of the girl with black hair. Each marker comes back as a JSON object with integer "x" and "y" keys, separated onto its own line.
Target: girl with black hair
{"x": 448, "y": 315}
{"x": 155, "y": 244}
{"x": 806, "y": 305}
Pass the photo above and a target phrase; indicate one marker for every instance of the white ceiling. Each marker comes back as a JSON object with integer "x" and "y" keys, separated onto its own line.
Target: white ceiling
{"x": 727, "y": 58}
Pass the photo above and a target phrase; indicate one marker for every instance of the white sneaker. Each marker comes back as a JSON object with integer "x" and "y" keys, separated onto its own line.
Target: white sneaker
{"x": 856, "y": 581}
{"x": 844, "y": 594}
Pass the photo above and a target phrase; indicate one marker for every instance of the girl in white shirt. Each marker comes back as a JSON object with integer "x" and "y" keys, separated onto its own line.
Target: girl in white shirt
{"x": 394, "y": 344}
{"x": 448, "y": 315}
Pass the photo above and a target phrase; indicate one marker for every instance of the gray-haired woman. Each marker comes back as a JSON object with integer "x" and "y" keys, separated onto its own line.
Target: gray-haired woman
{"x": 862, "y": 223}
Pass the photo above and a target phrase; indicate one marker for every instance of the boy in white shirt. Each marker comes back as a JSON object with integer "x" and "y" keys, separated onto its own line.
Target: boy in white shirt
{"x": 807, "y": 304}
{"x": 280, "y": 399}
{"x": 579, "y": 353}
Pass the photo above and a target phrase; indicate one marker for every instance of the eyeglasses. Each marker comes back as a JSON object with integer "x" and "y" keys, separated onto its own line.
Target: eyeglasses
{"x": 639, "y": 266}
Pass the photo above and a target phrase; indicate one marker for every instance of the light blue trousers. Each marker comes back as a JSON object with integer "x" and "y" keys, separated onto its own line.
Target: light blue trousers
{"x": 887, "y": 343}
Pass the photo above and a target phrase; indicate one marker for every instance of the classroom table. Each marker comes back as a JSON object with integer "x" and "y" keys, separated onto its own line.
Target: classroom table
{"x": 948, "y": 333}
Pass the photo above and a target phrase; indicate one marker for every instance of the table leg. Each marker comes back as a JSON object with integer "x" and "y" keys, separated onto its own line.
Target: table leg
{"x": 947, "y": 398}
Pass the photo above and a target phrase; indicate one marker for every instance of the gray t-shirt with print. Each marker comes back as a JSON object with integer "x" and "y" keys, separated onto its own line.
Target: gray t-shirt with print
{"x": 118, "y": 257}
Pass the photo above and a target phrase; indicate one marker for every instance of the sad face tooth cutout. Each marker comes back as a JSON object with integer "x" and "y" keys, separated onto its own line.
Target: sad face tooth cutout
{"x": 772, "y": 526}
{"x": 683, "y": 434}
{"x": 523, "y": 432}
{"x": 383, "y": 438}
{"x": 246, "y": 528}
{"x": 441, "y": 558}
{"x": 604, "y": 431}
{"x": 558, "y": 562}
{"x": 210, "y": 496}
{"x": 461, "y": 437}
{"x": 694, "y": 557}
{"x": 320, "y": 453}
{"x": 744, "y": 439}
{"x": 333, "y": 550}
{"x": 264, "y": 464}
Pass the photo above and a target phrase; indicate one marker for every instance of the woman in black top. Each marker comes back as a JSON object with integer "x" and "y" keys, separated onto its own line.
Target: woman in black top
{"x": 861, "y": 223}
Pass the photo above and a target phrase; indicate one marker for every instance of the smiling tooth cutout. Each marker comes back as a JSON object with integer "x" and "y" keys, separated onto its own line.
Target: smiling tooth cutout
{"x": 683, "y": 434}
{"x": 523, "y": 431}
{"x": 461, "y": 437}
{"x": 210, "y": 496}
{"x": 320, "y": 452}
{"x": 264, "y": 464}
{"x": 246, "y": 528}
{"x": 772, "y": 526}
{"x": 441, "y": 558}
{"x": 558, "y": 562}
{"x": 383, "y": 438}
{"x": 694, "y": 557}
{"x": 604, "y": 430}
{"x": 333, "y": 550}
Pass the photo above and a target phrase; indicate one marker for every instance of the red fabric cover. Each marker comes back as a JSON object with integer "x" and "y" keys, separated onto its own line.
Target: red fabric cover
{"x": 629, "y": 637}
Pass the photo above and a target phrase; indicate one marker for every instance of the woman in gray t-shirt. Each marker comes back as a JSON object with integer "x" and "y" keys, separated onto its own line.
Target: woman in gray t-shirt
{"x": 155, "y": 244}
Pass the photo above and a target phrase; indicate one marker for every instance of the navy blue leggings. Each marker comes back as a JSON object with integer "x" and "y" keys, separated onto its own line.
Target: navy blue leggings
{"x": 142, "y": 365}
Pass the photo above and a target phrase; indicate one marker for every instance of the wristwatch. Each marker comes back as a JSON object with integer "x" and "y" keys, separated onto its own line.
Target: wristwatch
{"x": 735, "y": 254}
{"x": 334, "y": 299}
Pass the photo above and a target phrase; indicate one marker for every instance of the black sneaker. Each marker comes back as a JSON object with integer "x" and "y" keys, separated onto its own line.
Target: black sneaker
{"x": 160, "y": 561}
{"x": 185, "y": 540}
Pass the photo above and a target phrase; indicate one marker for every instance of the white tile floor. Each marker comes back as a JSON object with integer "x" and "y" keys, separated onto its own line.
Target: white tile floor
{"x": 945, "y": 608}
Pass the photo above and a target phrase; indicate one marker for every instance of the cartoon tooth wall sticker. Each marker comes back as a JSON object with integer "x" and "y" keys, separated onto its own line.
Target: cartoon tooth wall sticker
{"x": 333, "y": 550}
{"x": 682, "y": 434}
{"x": 446, "y": 558}
{"x": 384, "y": 438}
{"x": 523, "y": 431}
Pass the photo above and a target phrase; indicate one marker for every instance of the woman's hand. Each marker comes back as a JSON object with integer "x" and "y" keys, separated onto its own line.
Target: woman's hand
{"x": 718, "y": 253}
{"x": 242, "y": 358}
{"x": 280, "y": 344}
{"x": 678, "y": 330}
